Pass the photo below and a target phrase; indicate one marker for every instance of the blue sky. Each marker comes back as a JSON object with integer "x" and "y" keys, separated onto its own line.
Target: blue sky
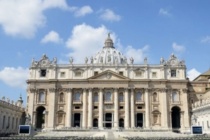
{"x": 64, "y": 29}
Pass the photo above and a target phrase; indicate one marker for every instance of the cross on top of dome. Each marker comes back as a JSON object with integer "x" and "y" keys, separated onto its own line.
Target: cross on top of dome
{"x": 108, "y": 42}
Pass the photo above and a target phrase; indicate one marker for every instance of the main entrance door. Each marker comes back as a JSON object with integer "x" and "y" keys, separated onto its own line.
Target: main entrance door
{"x": 108, "y": 120}
{"x": 139, "y": 120}
{"x": 77, "y": 118}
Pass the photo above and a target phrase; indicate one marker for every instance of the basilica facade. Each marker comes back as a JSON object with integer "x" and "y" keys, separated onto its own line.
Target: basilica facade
{"x": 108, "y": 91}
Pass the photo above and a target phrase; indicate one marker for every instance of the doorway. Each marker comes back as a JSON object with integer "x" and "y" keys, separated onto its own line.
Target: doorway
{"x": 95, "y": 122}
{"x": 77, "y": 118}
{"x": 121, "y": 123}
{"x": 108, "y": 120}
{"x": 40, "y": 117}
{"x": 175, "y": 117}
{"x": 139, "y": 120}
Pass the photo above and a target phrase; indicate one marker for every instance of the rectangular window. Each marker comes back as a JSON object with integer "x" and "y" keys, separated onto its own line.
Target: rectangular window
{"x": 77, "y": 97}
{"x": 43, "y": 73}
{"x": 154, "y": 74}
{"x": 95, "y": 107}
{"x": 121, "y": 97}
{"x": 138, "y": 74}
{"x": 139, "y": 107}
{"x": 62, "y": 74}
{"x": 121, "y": 72}
{"x": 95, "y": 73}
{"x": 121, "y": 107}
{"x": 95, "y": 98}
{"x": 41, "y": 97}
{"x": 78, "y": 74}
{"x": 173, "y": 73}
{"x": 77, "y": 107}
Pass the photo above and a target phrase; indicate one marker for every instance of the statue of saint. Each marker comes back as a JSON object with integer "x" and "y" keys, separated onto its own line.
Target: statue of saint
{"x": 86, "y": 60}
{"x": 131, "y": 60}
{"x": 71, "y": 60}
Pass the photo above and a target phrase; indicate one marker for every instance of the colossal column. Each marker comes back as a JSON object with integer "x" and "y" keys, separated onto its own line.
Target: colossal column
{"x": 84, "y": 109}
{"x": 147, "y": 109}
{"x": 164, "y": 118}
{"x": 100, "y": 120}
{"x": 127, "y": 113}
{"x": 51, "y": 109}
{"x": 116, "y": 108}
{"x": 132, "y": 109}
{"x": 90, "y": 109}
{"x": 69, "y": 108}
{"x": 186, "y": 117}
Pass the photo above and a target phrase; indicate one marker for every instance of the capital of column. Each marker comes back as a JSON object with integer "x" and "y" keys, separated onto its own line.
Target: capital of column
{"x": 90, "y": 89}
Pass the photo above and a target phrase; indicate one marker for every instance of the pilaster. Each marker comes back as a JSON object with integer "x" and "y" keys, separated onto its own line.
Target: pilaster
{"x": 100, "y": 120}
{"x": 132, "y": 109}
{"x": 127, "y": 113}
{"x": 84, "y": 109}
{"x": 69, "y": 109}
{"x": 116, "y": 108}
{"x": 147, "y": 109}
{"x": 90, "y": 109}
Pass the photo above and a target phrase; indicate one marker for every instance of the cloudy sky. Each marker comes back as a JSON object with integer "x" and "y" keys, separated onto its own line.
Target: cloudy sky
{"x": 63, "y": 29}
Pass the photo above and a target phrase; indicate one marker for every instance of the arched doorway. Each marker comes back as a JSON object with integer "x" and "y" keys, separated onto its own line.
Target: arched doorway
{"x": 121, "y": 122}
{"x": 95, "y": 122}
{"x": 175, "y": 117}
{"x": 40, "y": 117}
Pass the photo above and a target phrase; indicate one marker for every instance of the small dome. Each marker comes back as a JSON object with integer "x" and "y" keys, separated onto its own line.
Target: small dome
{"x": 109, "y": 55}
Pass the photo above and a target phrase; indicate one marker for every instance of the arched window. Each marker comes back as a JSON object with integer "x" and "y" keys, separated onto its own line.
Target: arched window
{"x": 95, "y": 99}
{"x": 13, "y": 119}
{"x": 3, "y": 122}
{"x": 108, "y": 97}
{"x": 61, "y": 98}
{"x": 77, "y": 96}
{"x": 175, "y": 96}
{"x": 41, "y": 96}
{"x": 155, "y": 97}
{"x": 139, "y": 96}
{"x": 8, "y": 123}
{"x": 121, "y": 98}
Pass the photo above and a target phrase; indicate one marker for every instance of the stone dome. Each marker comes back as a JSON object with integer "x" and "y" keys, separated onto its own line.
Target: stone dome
{"x": 109, "y": 55}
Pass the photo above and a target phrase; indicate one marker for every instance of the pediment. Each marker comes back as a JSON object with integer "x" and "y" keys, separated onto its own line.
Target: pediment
{"x": 108, "y": 75}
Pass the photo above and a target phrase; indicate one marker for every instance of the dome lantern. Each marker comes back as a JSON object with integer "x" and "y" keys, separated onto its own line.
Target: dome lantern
{"x": 108, "y": 42}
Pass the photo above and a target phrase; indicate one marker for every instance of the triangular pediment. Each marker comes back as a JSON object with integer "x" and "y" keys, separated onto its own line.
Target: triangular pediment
{"x": 108, "y": 75}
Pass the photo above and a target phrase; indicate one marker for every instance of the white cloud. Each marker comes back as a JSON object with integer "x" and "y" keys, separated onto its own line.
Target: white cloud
{"x": 86, "y": 41}
{"x": 137, "y": 54}
{"x": 83, "y": 11}
{"x": 205, "y": 39}
{"x": 192, "y": 74}
{"x": 178, "y": 48}
{"x": 109, "y": 15}
{"x": 14, "y": 77}
{"x": 52, "y": 37}
{"x": 164, "y": 12}
{"x": 24, "y": 17}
